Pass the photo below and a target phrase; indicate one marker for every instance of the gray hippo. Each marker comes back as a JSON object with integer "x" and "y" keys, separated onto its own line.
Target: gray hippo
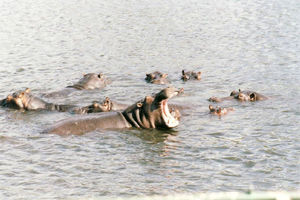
{"x": 106, "y": 105}
{"x": 89, "y": 81}
{"x": 24, "y": 100}
{"x": 149, "y": 113}
{"x": 218, "y": 110}
{"x": 241, "y": 96}
{"x": 157, "y": 78}
{"x": 190, "y": 75}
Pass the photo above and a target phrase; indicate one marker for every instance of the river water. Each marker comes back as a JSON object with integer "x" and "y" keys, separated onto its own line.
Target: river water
{"x": 251, "y": 45}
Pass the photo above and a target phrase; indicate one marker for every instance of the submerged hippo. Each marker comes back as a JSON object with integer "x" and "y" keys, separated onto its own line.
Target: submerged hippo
{"x": 24, "y": 100}
{"x": 89, "y": 81}
{"x": 190, "y": 75}
{"x": 151, "y": 112}
{"x": 157, "y": 78}
{"x": 241, "y": 96}
{"x": 106, "y": 105}
{"x": 218, "y": 110}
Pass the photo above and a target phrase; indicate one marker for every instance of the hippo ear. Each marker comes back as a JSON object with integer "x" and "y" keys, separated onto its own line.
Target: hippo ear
{"x": 252, "y": 96}
{"x": 107, "y": 99}
{"x": 27, "y": 90}
{"x": 139, "y": 104}
{"x": 198, "y": 76}
{"x": 164, "y": 75}
{"x": 9, "y": 97}
{"x": 240, "y": 90}
{"x": 183, "y": 72}
{"x": 96, "y": 104}
{"x": 233, "y": 93}
{"x": 211, "y": 108}
{"x": 21, "y": 95}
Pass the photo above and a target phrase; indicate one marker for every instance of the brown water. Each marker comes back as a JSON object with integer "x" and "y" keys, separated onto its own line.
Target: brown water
{"x": 254, "y": 45}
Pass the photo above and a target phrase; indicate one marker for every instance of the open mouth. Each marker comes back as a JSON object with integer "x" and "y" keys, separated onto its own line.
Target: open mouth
{"x": 170, "y": 118}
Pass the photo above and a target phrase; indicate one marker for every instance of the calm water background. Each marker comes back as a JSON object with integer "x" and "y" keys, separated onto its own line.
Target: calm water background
{"x": 255, "y": 45}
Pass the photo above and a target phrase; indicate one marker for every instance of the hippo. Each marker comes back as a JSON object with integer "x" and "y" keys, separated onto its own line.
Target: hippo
{"x": 89, "y": 81}
{"x": 241, "y": 96}
{"x": 218, "y": 110}
{"x": 150, "y": 113}
{"x": 190, "y": 75}
{"x": 157, "y": 78}
{"x": 24, "y": 100}
{"x": 106, "y": 105}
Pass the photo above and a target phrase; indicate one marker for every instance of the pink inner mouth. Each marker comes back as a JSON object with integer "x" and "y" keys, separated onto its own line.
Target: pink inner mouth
{"x": 167, "y": 116}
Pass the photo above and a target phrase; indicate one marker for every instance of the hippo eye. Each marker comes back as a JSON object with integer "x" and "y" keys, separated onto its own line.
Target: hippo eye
{"x": 100, "y": 75}
{"x": 252, "y": 97}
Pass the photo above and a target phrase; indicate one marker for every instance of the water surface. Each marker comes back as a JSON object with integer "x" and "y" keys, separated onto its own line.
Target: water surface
{"x": 47, "y": 45}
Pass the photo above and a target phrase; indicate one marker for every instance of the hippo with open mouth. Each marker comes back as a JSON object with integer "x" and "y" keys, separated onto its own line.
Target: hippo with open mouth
{"x": 240, "y": 95}
{"x": 149, "y": 113}
{"x": 89, "y": 81}
{"x": 24, "y": 100}
{"x": 157, "y": 78}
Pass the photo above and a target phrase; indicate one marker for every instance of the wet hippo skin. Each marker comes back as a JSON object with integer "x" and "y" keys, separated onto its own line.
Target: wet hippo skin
{"x": 151, "y": 112}
{"x": 89, "y": 81}
{"x": 24, "y": 100}
{"x": 240, "y": 95}
{"x": 190, "y": 75}
{"x": 218, "y": 110}
{"x": 106, "y": 105}
{"x": 157, "y": 78}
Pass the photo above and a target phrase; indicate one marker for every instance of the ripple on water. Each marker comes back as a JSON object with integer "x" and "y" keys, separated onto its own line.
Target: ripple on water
{"x": 236, "y": 44}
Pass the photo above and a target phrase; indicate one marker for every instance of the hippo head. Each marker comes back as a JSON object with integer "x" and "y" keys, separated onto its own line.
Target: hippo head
{"x": 105, "y": 106}
{"x": 91, "y": 81}
{"x": 19, "y": 99}
{"x": 241, "y": 96}
{"x": 157, "y": 78}
{"x": 153, "y": 111}
{"x": 219, "y": 110}
{"x": 190, "y": 76}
